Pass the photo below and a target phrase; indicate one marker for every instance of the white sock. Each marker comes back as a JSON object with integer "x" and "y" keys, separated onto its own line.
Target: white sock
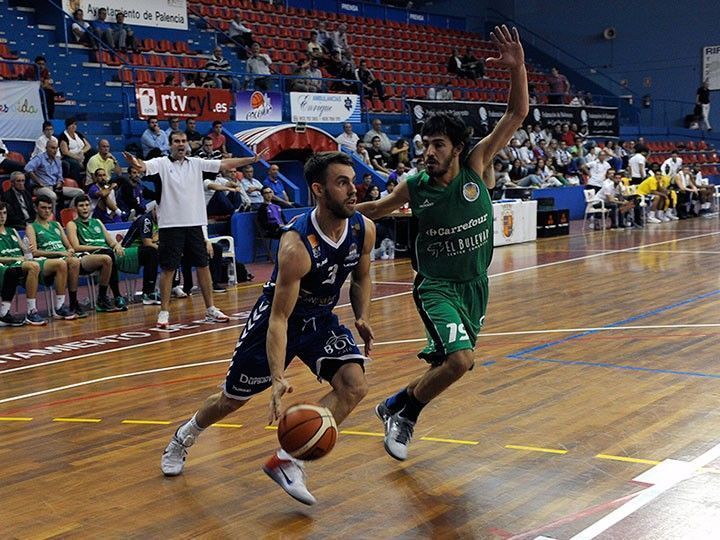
{"x": 190, "y": 428}
{"x": 4, "y": 308}
{"x": 32, "y": 304}
{"x": 59, "y": 301}
{"x": 282, "y": 454}
{"x": 118, "y": 212}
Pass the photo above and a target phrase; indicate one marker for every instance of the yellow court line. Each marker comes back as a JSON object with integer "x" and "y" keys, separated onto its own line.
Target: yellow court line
{"x": 627, "y": 459}
{"x": 227, "y": 425}
{"x": 15, "y": 419}
{"x": 366, "y": 433}
{"x": 535, "y": 449}
{"x": 452, "y": 441}
{"x": 271, "y": 427}
{"x": 147, "y": 422}
{"x": 78, "y": 420}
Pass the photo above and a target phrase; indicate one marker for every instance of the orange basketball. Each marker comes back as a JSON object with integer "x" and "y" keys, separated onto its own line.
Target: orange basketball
{"x": 257, "y": 100}
{"x": 307, "y": 431}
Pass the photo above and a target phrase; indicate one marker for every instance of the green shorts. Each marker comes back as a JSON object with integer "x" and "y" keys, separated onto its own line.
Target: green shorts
{"x": 40, "y": 261}
{"x": 129, "y": 263}
{"x": 452, "y": 313}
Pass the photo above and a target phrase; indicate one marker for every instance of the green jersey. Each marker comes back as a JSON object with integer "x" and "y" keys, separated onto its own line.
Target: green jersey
{"x": 48, "y": 238}
{"x": 90, "y": 232}
{"x": 455, "y": 238}
{"x": 9, "y": 245}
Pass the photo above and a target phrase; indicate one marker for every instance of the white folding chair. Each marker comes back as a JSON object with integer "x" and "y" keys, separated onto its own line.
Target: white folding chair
{"x": 590, "y": 208}
{"x": 228, "y": 253}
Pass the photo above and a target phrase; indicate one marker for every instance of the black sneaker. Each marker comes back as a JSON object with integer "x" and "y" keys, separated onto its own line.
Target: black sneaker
{"x": 11, "y": 320}
{"x": 121, "y": 303}
{"x": 103, "y": 305}
{"x": 219, "y": 289}
{"x": 79, "y": 310}
{"x": 65, "y": 313}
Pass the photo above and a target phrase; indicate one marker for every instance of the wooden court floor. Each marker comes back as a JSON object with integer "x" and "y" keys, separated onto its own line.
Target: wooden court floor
{"x": 592, "y": 412}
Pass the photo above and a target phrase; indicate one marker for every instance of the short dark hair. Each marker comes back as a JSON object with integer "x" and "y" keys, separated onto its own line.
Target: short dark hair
{"x": 81, "y": 198}
{"x": 151, "y": 118}
{"x": 43, "y": 198}
{"x": 176, "y": 133}
{"x": 3, "y": 205}
{"x": 47, "y": 124}
{"x": 391, "y": 181}
{"x": 40, "y": 58}
{"x": 449, "y": 124}
{"x": 206, "y": 138}
{"x": 316, "y": 166}
{"x": 216, "y": 123}
{"x": 70, "y": 121}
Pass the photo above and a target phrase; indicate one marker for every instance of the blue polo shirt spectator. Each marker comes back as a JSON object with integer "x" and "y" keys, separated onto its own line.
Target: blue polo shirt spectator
{"x": 45, "y": 170}
{"x": 273, "y": 182}
{"x": 154, "y": 140}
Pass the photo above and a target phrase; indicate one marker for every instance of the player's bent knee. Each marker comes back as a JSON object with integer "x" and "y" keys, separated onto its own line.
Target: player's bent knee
{"x": 459, "y": 363}
{"x": 350, "y": 381}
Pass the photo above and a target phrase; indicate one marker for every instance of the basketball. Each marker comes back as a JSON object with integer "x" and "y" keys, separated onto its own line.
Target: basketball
{"x": 307, "y": 432}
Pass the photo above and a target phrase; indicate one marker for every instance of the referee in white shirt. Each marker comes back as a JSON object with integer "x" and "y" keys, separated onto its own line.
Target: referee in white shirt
{"x": 182, "y": 218}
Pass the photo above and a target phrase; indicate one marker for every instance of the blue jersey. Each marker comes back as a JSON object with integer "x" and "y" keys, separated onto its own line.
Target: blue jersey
{"x": 331, "y": 264}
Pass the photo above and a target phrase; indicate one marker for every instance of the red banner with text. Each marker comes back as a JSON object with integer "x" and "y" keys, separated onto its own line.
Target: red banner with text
{"x": 169, "y": 101}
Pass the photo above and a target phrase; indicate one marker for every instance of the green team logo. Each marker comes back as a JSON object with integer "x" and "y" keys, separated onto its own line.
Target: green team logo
{"x": 471, "y": 191}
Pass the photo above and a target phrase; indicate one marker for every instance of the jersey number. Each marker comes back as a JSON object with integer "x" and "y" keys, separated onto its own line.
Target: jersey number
{"x": 332, "y": 274}
{"x": 454, "y": 330}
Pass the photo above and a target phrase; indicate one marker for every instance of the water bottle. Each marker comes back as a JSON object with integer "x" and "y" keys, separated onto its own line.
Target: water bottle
{"x": 25, "y": 245}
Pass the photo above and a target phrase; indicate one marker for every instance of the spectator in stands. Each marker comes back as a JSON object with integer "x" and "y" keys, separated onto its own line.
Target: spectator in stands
{"x": 597, "y": 171}
{"x": 548, "y": 175}
{"x": 218, "y": 139}
{"x": 47, "y": 239}
{"x": 672, "y": 165}
{"x": 269, "y": 215}
{"x": 273, "y": 182}
{"x": 609, "y": 194}
{"x": 348, "y": 139}
{"x": 702, "y": 99}
{"x": 418, "y": 145}
{"x": 207, "y": 151}
{"x": 301, "y": 85}
{"x": 173, "y": 125}
{"x": 525, "y": 153}
{"x": 40, "y": 72}
{"x": 42, "y": 140}
{"x": 371, "y": 84}
{"x": 378, "y": 158}
{"x": 16, "y": 269}
{"x": 340, "y": 42}
{"x": 224, "y": 195}
{"x": 123, "y": 35}
{"x": 532, "y": 94}
{"x": 417, "y": 165}
{"x": 20, "y": 209}
{"x": 194, "y": 137}
{"x": 314, "y": 49}
{"x": 74, "y": 150}
{"x": 87, "y": 234}
{"x": 103, "y": 159}
{"x": 8, "y": 165}
{"x": 325, "y": 37}
{"x": 189, "y": 80}
{"x": 399, "y": 174}
{"x": 259, "y": 64}
{"x": 637, "y": 166}
{"x": 444, "y": 93}
{"x": 45, "y": 170}
{"x": 377, "y": 131}
{"x": 362, "y": 153}
{"x": 471, "y": 63}
{"x": 567, "y": 134}
{"x": 520, "y": 175}
{"x": 338, "y": 68}
{"x": 537, "y": 134}
{"x": 559, "y": 87}
{"x": 399, "y": 153}
{"x": 240, "y": 33}
{"x": 102, "y": 195}
{"x": 562, "y": 156}
{"x": 252, "y": 186}
{"x": 154, "y": 141}
{"x": 102, "y": 28}
{"x": 456, "y": 67}
{"x": 314, "y": 80}
{"x": 142, "y": 237}
{"x": 81, "y": 29}
{"x": 372, "y": 193}
{"x": 129, "y": 195}
{"x": 218, "y": 63}
{"x": 363, "y": 187}
{"x": 390, "y": 185}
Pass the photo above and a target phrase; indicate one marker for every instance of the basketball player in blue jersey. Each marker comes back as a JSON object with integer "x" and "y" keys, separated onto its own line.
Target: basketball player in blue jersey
{"x": 294, "y": 317}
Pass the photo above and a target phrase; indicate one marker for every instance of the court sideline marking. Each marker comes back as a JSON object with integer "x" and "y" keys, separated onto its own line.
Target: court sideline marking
{"x": 499, "y": 274}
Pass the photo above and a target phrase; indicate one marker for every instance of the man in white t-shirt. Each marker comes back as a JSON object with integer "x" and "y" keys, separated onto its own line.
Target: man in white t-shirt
{"x": 418, "y": 145}
{"x": 610, "y": 195}
{"x": 348, "y": 139}
{"x": 597, "y": 170}
{"x": 672, "y": 165}
{"x": 252, "y": 186}
{"x": 636, "y": 164}
{"x": 182, "y": 218}
{"x": 42, "y": 140}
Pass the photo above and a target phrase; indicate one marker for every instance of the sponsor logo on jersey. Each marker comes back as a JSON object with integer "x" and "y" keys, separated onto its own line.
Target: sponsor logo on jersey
{"x": 471, "y": 191}
{"x": 352, "y": 253}
{"x": 314, "y": 245}
{"x": 426, "y": 204}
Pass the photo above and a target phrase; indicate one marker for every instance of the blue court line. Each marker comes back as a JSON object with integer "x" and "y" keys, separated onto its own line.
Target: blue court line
{"x": 488, "y": 363}
{"x": 520, "y": 354}
{"x": 618, "y": 366}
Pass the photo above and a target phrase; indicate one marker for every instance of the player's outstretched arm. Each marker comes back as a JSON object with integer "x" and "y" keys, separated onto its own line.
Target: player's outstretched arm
{"x": 138, "y": 163}
{"x": 512, "y": 57}
{"x": 361, "y": 289}
{"x": 236, "y": 163}
{"x": 293, "y": 264}
{"x": 382, "y": 207}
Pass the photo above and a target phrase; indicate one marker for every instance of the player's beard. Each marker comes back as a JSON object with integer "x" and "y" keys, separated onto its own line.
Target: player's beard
{"x": 440, "y": 168}
{"x": 338, "y": 209}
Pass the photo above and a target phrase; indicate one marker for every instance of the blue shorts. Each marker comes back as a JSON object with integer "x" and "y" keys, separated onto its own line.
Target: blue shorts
{"x": 321, "y": 342}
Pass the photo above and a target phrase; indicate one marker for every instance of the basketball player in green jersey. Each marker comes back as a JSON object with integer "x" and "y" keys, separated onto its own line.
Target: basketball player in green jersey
{"x": 454, "y": 245}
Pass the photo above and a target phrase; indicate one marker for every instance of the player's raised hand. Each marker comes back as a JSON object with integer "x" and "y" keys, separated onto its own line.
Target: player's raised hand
{"x": 280, "y": 387}
{"x": 511, "y": 51}
{"x": 132, "y": 160}
{"x": 366, "y": 333}
{"x": 261, "y": 155}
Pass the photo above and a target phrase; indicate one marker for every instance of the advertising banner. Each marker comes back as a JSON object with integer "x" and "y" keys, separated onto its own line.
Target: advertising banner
{"x": 601, "y": 121}
{"x": 256, "y": 106}
{"x": 324, "y": 108}
{"x": 711, "y": 66}
{"x": 21, "y": 114}
{"x": 159, "y": 13}
{"x": 169, "y": 101}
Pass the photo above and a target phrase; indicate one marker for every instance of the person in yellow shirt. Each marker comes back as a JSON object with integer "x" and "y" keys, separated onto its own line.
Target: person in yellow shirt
{"x": 651, "y": 187}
